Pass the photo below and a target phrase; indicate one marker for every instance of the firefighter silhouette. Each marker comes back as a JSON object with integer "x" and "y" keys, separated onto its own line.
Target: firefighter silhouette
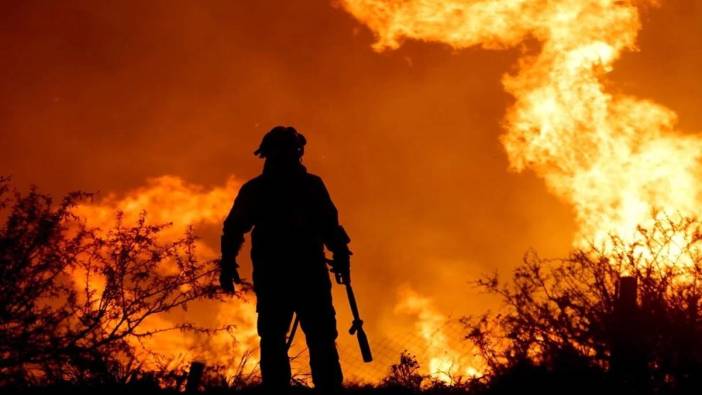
{"x": 291, "y": 218}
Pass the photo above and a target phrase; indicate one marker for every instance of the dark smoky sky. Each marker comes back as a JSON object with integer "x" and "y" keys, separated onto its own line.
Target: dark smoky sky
{"x": 99, "y": 96}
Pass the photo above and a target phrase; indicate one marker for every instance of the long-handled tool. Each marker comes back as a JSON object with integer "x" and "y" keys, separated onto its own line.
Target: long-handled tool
{"x": 357, "y": 324}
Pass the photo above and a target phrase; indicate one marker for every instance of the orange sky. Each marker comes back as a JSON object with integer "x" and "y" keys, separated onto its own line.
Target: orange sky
{"x": 100, "y": 97}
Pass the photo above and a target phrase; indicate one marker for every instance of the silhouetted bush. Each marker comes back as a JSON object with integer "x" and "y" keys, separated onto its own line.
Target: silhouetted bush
{"x": 405, "y": 374}
{"x": 74, "y": 299}
{"x": 560, "y": 324}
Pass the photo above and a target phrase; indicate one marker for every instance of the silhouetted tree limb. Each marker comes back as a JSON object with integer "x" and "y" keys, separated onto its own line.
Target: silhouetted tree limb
{"x": 74, "y": 300}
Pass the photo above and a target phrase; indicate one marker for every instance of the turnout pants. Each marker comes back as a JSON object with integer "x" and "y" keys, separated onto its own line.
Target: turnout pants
{"x": 313, "y": 305}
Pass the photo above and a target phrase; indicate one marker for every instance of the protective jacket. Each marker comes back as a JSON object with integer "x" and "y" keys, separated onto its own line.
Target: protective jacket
{"x": 293, "y": 218}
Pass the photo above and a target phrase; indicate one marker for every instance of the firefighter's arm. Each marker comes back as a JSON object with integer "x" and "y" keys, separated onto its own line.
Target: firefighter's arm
{"x": 238, "y": 222}
{"x": 342, "y": 256}
{"x": 335, "y": 237}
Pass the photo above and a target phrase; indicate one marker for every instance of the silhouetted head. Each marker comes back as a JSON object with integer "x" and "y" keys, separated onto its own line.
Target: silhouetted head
{"x": 282, "y": 144}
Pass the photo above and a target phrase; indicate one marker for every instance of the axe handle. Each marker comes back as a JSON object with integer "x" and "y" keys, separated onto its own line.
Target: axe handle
{"x": 357, "y": 326}
{"x": 352, "y": 302}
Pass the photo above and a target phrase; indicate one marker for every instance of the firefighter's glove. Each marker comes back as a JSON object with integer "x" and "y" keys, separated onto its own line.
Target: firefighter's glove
{"x": 228, "y": 276}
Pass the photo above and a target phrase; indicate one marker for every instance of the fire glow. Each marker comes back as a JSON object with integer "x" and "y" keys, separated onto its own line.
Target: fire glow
{"x": 445, "y": 363}
{"x": 614, "y": 157}
{"x": 171, "y": 200}
{"x": 617, "y": 159}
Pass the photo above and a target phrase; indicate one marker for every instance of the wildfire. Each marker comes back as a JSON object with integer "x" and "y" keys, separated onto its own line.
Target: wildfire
{"x": 615, "y": 158}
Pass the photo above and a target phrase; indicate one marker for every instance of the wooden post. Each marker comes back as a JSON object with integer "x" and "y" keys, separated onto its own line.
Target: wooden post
{"x": 194, "y": 376}
{"x": 628, "y": 362}
{"x": 626, "y": 299}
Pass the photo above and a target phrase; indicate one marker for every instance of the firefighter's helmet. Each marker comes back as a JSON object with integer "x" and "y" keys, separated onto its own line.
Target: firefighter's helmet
{"x": 281, "y": 139}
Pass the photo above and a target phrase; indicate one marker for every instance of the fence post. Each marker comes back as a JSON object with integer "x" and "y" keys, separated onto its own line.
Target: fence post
{"x": 626, "y": 299}
{"x": 628, "y": 360}
{"x": 194, "y": 376}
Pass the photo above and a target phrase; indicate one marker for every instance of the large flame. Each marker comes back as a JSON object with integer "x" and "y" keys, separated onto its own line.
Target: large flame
{"x": 166, "y": 200}
{"x": 443, "y": 359}
{"x": 169, "y": 199}
{"x": 615, "y": 158}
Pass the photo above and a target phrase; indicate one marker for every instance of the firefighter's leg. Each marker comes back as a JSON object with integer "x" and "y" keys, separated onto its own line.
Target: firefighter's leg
{"x": 317, "y": 318}
{"x": 273, "y": 322}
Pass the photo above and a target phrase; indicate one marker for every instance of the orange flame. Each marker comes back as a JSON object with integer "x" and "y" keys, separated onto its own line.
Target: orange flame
{"x": 445, "y": 362}
{"x": 166, "y": 199}
{"x": 614, "y": 157}
{"x": 169, "y": 199}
